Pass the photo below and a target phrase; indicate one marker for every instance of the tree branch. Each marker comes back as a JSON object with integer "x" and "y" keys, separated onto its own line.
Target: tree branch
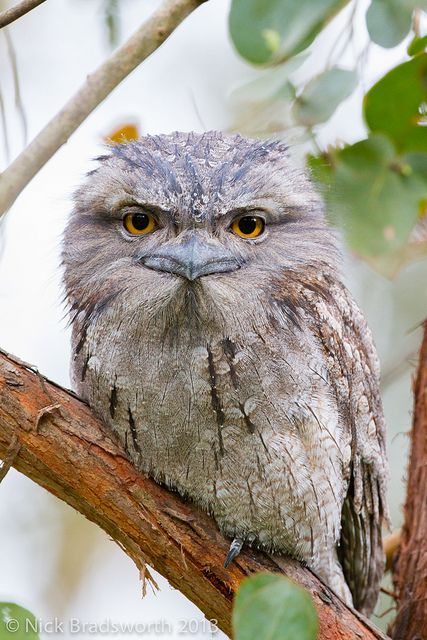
{"x": 57, "y": 442}
{"x": 17, "y": 11}
{"x": 96, "y": 88}
{"x": 410, "y": 573}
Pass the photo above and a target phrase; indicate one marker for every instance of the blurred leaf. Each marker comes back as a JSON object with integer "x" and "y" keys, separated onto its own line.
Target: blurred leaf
{"x": 322, "y": 95}
{"x": 389, "y": 264}
{"x": 389, "y": 21}
{"x": 123, "y": 134}
{"x": 418, "y": 163}
{"x": 112, "y": 21}
{"x": 262, "y": 106}
{"x": 320, "y": 168}
{"x": 417, "y": 45}
{"x": 263, "y": 118}
{"x": 270, "y": 82}
{"x": 394, "y": 105}
{"x": 375, "y": 195}
{"x": 270, "y": 606}
{"x": 268, "y": 31}
{"x": 17, "y": 623}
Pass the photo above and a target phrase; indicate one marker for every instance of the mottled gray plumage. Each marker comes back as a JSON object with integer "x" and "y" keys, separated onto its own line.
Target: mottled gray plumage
{"x": 239, "y": 372}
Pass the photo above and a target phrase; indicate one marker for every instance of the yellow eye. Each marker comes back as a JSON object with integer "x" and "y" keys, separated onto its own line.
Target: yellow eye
{"x": 139, "y": 223}
{"x": 248, "y": 226}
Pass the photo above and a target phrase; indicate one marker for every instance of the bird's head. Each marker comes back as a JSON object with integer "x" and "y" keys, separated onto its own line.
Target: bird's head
{"x": 208, "y": 220}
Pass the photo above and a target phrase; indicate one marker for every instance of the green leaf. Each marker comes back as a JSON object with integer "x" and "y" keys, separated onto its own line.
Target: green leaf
{"x": 320, "y": 168}
{"x": 322, "y": 95}
{"x": 376, "y": 195}
{"x": 417, "y": 45}
{"x": 395, "y": 105}
{"x": 17, "y": 623}
{"x": 269, "y": 606}
{"x": 269, "y": 31}
{"x": 270, "y": 82}
{"x": 388, "y": 21}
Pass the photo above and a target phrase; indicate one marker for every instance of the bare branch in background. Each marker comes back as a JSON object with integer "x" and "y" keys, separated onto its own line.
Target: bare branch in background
{"x": 410, "y": 572}
{"x": 96, "y": 88}
{"x": 58, "y": 443}
{"x": 3, "y": 125}
{"x": 17, "y": 11}
{"x": 16, "y": 85}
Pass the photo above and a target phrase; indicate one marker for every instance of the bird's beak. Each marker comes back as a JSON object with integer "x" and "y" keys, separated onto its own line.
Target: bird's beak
{"x": 191, "y": 257}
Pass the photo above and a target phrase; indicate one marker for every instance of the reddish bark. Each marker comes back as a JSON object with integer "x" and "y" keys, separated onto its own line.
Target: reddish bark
{"x": 410, "y": 572}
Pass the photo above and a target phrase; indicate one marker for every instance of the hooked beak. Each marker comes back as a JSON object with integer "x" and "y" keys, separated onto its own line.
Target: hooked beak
{"x": 192, "y": 258}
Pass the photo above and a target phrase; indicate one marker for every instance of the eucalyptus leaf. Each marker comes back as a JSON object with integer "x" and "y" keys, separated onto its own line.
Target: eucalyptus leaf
{"x": 375, "y": 195}
{"x": 270, "y": 82}
{"x": 270, "y": 31}
{"x": 394, "y": 105}
{"x": 320, "y": 169}
{"x": 270, "y": 606}
{"x": 264, "y": 118}
{"x": 417, "y": 45}
{"x": 322, "y": 95}
{"x": 388, "y": 21}
{"x": 17, "y": 623}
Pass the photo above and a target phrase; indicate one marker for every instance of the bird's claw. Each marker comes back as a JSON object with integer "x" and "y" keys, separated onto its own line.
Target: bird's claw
{"x": 233, "y": 552}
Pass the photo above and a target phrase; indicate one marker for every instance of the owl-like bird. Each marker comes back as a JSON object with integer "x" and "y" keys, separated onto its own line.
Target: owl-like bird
{"x": 213, "y": 334}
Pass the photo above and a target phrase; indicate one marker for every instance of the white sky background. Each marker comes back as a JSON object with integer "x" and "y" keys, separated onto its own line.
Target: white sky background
{"x": 44, "y": 547}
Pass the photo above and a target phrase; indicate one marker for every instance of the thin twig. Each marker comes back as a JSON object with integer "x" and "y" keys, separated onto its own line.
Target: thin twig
{"x": 389, "y": 593}
{"x": 9, "y": 457}
{"x": 398, "y": 366}
{"x": 3, "y": 124}
{"x": 16, "y": 85}
{"x": 347, "y": 32}
{"x": 19, "y": 10}
{"x": 96, "y": 88}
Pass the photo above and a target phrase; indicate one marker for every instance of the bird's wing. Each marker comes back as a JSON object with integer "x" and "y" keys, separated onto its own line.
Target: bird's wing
{"x": 354, "y": 375}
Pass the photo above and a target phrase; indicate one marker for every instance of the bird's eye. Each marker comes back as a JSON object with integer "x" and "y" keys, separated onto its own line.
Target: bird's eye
{"x": 248, "y": 226}
{"x": 139, "y": 223}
